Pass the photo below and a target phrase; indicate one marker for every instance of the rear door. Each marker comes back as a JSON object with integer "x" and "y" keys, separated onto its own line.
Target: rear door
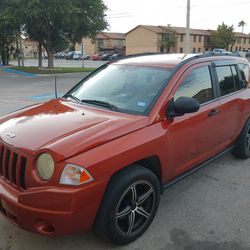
{"x": 231, "y": 86}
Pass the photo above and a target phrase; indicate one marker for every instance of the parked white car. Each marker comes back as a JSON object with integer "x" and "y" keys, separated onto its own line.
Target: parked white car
{"x": 221, "y": 51}
{"x": 78, "y": 56}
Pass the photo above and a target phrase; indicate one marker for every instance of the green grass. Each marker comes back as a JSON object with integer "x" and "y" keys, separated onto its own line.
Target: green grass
{"x": 36, "y": 70}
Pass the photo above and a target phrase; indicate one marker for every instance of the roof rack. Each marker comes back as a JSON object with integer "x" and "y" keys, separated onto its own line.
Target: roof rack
{"x": 205, "y": 54}
{"x": 211, "y": 53}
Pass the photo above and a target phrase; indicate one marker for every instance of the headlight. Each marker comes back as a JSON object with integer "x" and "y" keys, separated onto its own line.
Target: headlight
{"x": 75, "y": 175}
{"x": 45, "y": 166}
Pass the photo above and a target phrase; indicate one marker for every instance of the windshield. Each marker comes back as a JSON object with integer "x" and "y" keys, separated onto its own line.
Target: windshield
{"x": 130, "y": 89}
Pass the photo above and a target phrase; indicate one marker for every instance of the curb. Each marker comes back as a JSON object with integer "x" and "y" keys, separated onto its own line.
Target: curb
{"x": 9, "y": 70}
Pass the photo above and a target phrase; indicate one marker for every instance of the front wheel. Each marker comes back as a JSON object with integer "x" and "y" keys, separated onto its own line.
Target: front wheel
{"x": 129, "y": 205}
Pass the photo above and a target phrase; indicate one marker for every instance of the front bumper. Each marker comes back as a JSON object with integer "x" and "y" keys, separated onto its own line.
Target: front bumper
{"x": 52, "y": 210}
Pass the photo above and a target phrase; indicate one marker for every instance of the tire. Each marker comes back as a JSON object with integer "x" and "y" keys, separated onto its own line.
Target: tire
{"x": 129, "y": 205}
{"x": 242, "y": 146}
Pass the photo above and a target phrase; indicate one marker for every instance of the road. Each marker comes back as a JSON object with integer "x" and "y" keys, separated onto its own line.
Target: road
{"x": 63, "y": 63}
{"x": 209, "y": 210}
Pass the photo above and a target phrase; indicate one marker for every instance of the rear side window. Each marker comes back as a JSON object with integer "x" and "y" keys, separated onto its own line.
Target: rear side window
{"x": 244, "y": 71}
{"x": 228, "y": 79}
{"x": 197, "y": 85}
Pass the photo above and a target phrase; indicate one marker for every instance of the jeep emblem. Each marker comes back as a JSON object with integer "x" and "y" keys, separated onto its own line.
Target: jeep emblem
{"x": 11, "y": 135}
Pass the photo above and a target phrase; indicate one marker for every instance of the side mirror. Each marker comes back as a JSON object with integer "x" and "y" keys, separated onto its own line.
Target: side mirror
{"x": 182, "y": 105}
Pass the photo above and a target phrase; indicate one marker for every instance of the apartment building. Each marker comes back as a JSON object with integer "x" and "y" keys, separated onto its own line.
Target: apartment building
{"x": 147, "y": 38}
{"x": 242, "y": 42}
{"x": 105, "y": 42}
{"x": 30, "y": 48}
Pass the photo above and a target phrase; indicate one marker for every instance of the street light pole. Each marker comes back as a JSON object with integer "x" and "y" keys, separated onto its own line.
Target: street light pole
{"x": 187, "y": 49}
{"x": 82, "y": 52}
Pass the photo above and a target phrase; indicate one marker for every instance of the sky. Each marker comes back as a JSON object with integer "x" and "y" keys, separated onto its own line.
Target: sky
{"x": 124, "y": 15}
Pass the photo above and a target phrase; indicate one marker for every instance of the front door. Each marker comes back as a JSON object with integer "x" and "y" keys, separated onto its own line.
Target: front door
{"x": 195, "y": 137}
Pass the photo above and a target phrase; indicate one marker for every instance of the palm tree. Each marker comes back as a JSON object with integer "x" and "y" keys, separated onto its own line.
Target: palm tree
{"x": 242, "y": 24}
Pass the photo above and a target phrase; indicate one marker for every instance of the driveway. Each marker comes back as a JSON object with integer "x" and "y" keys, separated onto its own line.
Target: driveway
{"x": 208, "y": 210}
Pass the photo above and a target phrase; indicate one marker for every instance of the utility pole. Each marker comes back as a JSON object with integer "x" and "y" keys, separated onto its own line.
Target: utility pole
{"x": 21, "y": 51}
{"x": 83, "y": 54}
{"x": 18, "y": 51}
{"x": 187, "y": 49}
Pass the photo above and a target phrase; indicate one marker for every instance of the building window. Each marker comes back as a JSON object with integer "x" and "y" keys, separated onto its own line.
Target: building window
{"x": 100, "y": 42}
{"x": 199, "y": 38}
{"x": 199, "y": 49}
{"x": 181, "y": 38}
{"x": 181, "y": 50}
{"x": 245, "y": 40}
{"x": 194, "y": 50}
{"x": 239, "y": 40}
{"x": 194, "y": 38}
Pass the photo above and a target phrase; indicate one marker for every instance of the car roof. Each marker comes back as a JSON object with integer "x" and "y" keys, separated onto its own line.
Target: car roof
{"x": 170, "y": 60}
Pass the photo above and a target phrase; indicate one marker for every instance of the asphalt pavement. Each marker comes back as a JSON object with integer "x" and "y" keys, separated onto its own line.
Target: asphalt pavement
{"x": 63, "y": 63}
{"x": 208, "y": 210}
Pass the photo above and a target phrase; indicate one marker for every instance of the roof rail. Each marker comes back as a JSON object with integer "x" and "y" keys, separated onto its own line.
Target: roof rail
{"x": 141, "y": 54}
{"x": 205, "y": 54}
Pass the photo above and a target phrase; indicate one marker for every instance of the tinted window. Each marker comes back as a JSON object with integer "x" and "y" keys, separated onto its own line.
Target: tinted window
{"x": 236, "y": 78}
{"x": 197, "y": 85}
{"x": 228, "y": 79}
{"x": 244, "y": 71}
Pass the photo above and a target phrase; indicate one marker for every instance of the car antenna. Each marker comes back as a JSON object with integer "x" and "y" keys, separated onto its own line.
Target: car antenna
{"x": 55, "y": 87}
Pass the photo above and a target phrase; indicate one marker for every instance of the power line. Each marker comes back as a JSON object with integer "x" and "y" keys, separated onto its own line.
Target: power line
{"x": 112, "y": 17}
{"x": 119, "y": 15}
{"x": 197, "y": 5}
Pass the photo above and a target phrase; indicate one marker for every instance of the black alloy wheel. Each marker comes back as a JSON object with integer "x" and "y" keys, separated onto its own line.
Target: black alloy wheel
{"x": 135, "y": 208}
{"x": 242, "y": 146}
{"x": 129, "y": 205}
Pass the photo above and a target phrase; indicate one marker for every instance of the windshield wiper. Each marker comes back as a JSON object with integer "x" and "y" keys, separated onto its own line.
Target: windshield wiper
{"x": 102, "y": 104}
{"x": 73, "y": 97}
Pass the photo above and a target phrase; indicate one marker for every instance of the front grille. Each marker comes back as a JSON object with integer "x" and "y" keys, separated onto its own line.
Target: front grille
{"x": 12, "y": 167}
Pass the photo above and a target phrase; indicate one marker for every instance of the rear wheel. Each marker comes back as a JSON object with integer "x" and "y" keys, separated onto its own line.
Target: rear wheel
{"x": 242, "y": 147}
{"x": 129, "y": 205}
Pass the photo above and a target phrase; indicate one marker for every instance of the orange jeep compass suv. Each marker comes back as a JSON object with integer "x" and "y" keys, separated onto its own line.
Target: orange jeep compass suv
{"x": 101, "y": 155}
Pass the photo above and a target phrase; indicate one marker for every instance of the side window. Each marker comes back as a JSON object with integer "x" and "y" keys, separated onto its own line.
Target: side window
{"x": 197, "y": 85}
{"x": 237, "y": 82}
{"x": 244, "y": 71}
{"x": 228, "y": 79}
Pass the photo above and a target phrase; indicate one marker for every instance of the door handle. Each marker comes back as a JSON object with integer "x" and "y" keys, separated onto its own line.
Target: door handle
{"x": 213, "y": 112}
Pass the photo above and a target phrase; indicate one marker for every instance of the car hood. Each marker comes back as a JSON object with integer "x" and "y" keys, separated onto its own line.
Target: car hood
{"x": 65, "y": 128}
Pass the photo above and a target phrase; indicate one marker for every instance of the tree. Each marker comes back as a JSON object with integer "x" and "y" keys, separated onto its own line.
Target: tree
{"x": 223, "y": 37}
{"x": 9, "y": 28}
{"x": 168, "y": 40}
{"x": 242, "y": 24}
{"x": 56, "y": 23}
